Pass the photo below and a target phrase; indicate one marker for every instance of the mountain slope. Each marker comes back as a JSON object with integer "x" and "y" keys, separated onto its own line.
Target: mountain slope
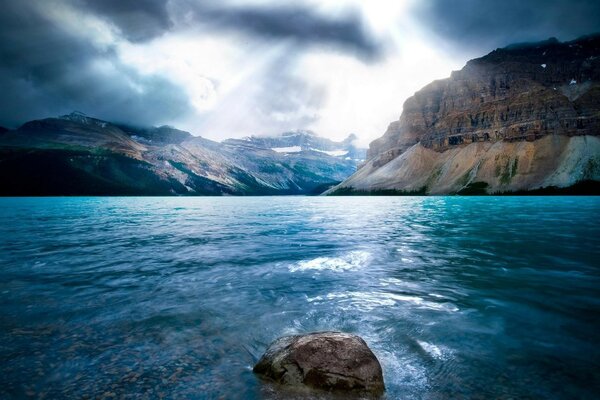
{"x": 521, "y": 118}
{"x": 79, "y": 155}
{"x": 293, "y": 142}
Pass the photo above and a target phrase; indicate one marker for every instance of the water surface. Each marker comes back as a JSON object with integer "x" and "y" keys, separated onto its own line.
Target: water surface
{"x": 476, "y": 297}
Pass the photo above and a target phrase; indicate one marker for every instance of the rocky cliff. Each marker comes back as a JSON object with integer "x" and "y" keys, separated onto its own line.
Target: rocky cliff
{"x": 521, "y": 118}
{"x": 79, "y": 155}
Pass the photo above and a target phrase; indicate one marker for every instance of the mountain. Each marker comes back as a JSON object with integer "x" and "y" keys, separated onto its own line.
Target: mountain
{"x": 79, "y": 155}
{"x": 522, "y": 118}
{"x": 291, "y": 142}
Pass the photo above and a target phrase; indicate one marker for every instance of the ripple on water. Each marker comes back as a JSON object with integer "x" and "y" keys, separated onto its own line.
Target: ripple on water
{"x": 180, "y": 296}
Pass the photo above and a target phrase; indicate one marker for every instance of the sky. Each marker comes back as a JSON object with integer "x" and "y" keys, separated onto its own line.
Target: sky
{"x": 234, "y": 68}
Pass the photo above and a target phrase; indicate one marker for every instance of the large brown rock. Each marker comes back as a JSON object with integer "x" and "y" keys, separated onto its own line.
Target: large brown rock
{"x": 332, "y": 361}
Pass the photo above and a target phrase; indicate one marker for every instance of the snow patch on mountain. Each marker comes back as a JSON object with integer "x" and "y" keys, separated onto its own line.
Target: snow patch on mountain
{"x": 333, "y": 153}
{"x": 290, "y": 149}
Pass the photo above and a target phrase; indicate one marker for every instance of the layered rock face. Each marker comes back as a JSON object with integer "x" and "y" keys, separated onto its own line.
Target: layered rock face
{"x": 514, "y": 120}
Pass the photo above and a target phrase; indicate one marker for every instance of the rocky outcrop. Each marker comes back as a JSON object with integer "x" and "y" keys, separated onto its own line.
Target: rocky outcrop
{"x": 517, "y": 119}
{"x": 489, "y": 167}
{"x": 331, "y": 361}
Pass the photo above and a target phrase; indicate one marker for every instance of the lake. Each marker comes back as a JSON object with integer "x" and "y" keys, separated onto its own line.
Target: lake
{"x": 459, "y": 297}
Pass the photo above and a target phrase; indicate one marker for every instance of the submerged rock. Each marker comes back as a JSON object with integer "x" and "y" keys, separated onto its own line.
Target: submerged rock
{"x": 332, "y": 361}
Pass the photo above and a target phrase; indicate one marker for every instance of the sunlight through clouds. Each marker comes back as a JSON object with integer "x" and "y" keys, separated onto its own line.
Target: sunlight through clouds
{"x": 234, "y": 68}
{"x": 233, "y": 79}
{"x": 290, "y": 68}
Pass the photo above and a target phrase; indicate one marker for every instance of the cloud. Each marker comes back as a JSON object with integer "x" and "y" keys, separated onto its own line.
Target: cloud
{"x": 46, "y": 70}
{"x": 141, "y": 20}
{"x": 138, "y": 20}
{"x": 481, "y": 26}
{"x": 222, "y": 68}
{"x": 286, "y": 98}
{"x": 274, "y": 98}
{"x": 62, "y": 55}
{"x": 347, "y": 32}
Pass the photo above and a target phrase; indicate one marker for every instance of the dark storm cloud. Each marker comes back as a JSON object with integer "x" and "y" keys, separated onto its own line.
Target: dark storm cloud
{"x": 482, "y": 25}
{"x": 138, "y": 20}
{"x": 141, "y": 20}
{"x": 302, "y": 25}
{"x": 45, "y": 71}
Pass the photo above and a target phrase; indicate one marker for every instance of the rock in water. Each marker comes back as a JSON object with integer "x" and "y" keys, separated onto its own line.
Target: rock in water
{"x": 332, "y": 361}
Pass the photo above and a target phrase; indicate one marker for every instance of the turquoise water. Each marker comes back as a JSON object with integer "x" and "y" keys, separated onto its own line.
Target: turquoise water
{"x": 459, "y": 297}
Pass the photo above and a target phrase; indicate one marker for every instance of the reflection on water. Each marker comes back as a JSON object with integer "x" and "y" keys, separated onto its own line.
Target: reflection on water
{"x": 177, "y": 297}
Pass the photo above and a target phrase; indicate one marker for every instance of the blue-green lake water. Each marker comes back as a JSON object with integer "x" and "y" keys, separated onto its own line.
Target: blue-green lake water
{"x": 459, "y": 297}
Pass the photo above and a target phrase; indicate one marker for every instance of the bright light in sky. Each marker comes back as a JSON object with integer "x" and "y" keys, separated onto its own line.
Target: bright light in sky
{"x": 229, "y": 77}
{"x": 224, "y": 73}
{"x": 233, "y": 68}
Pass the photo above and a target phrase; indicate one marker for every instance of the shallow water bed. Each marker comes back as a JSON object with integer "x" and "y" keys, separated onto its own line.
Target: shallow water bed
{"x": 477, "y": 297}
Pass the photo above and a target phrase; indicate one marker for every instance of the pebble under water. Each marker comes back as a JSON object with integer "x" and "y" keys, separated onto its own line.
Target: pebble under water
{"x": 459, "y": 297}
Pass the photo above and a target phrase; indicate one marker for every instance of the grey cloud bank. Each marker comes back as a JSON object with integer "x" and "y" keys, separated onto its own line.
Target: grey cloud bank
{"x": 46, "y": 71}
{"x": 480, "y": 26}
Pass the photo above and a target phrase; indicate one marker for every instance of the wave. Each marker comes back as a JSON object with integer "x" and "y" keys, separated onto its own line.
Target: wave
{"x": 368, "y": 301}
{"x": 350, "y": 261}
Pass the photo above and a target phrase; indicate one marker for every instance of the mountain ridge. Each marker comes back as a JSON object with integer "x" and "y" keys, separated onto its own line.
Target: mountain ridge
{"x": 522, "y": 93}
{"x": 76, "y": 154}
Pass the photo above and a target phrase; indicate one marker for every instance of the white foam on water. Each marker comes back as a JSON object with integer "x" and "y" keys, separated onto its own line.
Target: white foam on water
{"x": 406, "y": 249}
{"x": 398, "y": 283}
{"x": 439, "y": 296}
{"x": 368, "y": 301}
{"x": 434, "y": 351}
{"x": 351, "y": 261}
{"x": 404, "y": 371}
